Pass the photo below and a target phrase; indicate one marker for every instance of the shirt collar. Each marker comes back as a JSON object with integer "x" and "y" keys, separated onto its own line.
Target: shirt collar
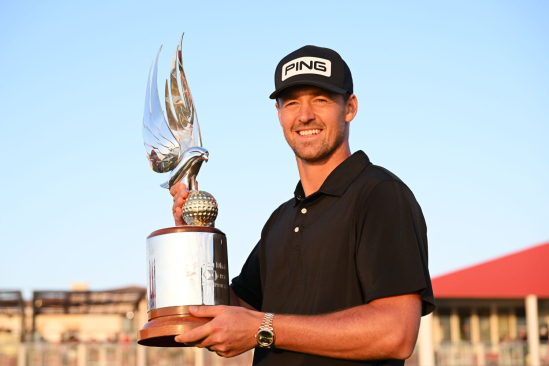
{"x": 340, "y": 178}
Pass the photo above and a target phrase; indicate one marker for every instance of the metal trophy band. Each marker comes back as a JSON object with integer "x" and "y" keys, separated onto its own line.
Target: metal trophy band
{"x": 187, "y": 265}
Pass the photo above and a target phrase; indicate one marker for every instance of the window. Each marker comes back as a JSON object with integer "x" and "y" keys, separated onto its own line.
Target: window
{"x": 444, "y": 323}
{"x": 464, "y": 324}
{"x": 521, "y": 323}
{"x": 503, "y": 325}
{"x": 484, "y": 324}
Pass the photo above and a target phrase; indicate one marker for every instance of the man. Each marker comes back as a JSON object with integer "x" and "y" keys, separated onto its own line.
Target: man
{"x": 340, "y": 273}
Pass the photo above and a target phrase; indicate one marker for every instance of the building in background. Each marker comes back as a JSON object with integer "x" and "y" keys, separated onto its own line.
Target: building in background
{"x": 87, "y": 328}
{"x": 493, "y": 313}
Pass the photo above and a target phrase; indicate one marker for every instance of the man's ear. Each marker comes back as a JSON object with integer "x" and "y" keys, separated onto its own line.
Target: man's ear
{"x": 351, "y": 108}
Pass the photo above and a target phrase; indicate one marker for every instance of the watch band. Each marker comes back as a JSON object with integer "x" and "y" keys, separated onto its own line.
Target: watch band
{"x": 265, "y": 335}
{"x": 268, "y": 321}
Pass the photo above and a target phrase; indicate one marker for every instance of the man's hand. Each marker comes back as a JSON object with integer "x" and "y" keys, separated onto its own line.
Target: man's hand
{"x": 231, "y": 331}
{"x": 180, "y": 194}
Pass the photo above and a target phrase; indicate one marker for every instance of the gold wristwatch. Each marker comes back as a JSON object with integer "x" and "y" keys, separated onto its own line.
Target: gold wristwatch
{"x": 265, "y": 335}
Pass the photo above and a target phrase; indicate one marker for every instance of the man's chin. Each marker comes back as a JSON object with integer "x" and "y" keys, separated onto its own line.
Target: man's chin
{"x": 313, "y": 157}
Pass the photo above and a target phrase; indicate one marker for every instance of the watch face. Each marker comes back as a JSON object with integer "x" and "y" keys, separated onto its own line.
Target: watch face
{"x": 265, "y": 337}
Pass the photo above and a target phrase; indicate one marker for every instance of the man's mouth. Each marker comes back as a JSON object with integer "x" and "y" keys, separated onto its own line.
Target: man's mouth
{"x": 308, "y": 132}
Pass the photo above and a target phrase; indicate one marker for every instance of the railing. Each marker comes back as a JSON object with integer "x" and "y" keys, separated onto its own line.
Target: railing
{"x": 484, "y": 354}
{"x": 130, "y": 354}
{"x": 111, "y": 354}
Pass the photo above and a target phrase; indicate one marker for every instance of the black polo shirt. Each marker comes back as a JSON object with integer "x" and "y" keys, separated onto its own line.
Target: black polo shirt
{"x": 360, "y": 237}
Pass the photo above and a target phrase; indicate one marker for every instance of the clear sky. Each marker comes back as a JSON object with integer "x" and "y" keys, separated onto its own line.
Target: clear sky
{"x": 453, "y": 98}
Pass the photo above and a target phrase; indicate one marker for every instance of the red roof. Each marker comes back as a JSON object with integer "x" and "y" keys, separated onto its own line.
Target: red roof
{"x": 512, "y": 276}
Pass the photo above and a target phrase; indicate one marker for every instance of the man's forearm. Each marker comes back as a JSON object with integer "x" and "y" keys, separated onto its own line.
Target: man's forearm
{"x": 385, "y": 328}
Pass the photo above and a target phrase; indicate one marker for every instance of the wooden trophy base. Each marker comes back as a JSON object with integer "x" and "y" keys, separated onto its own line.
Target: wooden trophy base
{"x": 166, "y": 323}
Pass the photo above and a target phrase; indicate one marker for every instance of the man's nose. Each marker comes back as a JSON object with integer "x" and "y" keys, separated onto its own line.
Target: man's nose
{"x": 306, "y": 113}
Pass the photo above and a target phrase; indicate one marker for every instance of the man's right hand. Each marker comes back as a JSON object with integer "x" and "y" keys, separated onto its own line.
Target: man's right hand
{"x": 180, "y": 194}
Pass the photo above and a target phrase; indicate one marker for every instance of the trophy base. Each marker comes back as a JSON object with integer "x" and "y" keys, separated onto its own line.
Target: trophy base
{"x": 166, "y": 323}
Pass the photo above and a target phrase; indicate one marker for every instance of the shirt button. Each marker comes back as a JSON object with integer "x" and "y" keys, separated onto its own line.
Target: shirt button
{"x": 303, "y": 210}
{"x": 296, "y": 229}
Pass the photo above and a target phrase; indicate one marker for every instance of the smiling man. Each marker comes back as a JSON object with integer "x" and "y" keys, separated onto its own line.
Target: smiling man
{"x": 339, "y": 275}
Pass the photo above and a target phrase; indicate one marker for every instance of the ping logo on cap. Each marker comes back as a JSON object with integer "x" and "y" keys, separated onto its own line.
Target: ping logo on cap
{"x": 307, "y": 65}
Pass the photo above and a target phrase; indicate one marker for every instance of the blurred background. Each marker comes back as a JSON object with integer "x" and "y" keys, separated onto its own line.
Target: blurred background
{"x": 452, "y": 99}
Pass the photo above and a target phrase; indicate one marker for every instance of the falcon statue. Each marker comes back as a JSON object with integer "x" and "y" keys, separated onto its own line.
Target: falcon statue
{"x": 173, "y": 145}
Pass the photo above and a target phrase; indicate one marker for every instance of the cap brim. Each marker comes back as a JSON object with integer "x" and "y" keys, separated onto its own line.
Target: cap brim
{"x": 322, "y": 85}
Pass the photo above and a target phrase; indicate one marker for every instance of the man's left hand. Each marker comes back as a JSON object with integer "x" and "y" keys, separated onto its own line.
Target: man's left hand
{"x": 231, "y": 331}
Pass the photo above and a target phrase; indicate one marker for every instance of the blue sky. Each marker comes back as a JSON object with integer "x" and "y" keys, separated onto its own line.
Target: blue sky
{"x": 453, "y": 98}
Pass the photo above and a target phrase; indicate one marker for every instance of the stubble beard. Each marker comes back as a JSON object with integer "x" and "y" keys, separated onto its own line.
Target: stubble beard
{"x": 323, "y": 153}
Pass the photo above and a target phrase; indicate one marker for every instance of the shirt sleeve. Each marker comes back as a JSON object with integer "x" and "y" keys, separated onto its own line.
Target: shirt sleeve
{"x": 247, "y": 285}
{"x": 392, "y": 246}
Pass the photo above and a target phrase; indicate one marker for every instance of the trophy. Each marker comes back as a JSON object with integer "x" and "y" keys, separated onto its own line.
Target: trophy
{"x": 187, "y": 265}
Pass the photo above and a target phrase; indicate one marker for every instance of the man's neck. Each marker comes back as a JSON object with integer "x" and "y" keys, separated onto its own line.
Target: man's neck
{"x": 313, "y": 174}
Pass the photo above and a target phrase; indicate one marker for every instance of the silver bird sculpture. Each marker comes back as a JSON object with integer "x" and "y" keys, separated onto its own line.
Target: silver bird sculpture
{"x": 173, "y": 144}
